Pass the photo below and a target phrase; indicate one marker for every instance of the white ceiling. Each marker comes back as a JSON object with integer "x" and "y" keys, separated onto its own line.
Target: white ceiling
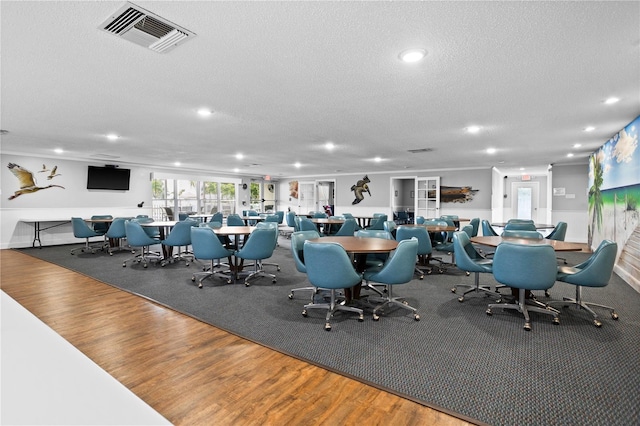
{"x": 286, "y": 77}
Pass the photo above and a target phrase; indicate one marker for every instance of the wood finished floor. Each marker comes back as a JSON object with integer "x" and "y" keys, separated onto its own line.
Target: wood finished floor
{"x": 193, "y": 373}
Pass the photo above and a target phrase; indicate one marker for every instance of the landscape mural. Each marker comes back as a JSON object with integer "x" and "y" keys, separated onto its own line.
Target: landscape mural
{"x": 614, "y": 188}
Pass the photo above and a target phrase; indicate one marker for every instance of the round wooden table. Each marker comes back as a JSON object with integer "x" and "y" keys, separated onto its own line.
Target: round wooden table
{"x": 557, "y": 245}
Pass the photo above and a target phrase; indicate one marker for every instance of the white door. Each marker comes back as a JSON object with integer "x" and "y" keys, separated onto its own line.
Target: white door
{"x": 427, "y": 197}
{"x": 306, "y": 197}
{"x": 525, "y": 198}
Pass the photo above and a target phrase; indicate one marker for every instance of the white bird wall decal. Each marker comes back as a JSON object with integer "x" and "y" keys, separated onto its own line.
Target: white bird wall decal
{"x": 27, "y": 181}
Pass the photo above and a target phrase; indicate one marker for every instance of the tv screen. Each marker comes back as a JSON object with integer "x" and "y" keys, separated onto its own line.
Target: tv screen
{"x": 108, "y": 178}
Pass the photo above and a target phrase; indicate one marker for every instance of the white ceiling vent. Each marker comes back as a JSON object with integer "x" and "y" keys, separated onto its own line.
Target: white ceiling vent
{"x": 133, "y": 23}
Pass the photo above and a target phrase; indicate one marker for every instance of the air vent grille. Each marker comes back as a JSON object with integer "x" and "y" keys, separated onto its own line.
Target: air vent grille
{"x": 420, "y": 150}
{"x": 143, "y": 28}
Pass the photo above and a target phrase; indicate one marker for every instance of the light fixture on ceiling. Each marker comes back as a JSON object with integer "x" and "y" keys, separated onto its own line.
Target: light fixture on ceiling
{"x": 329, "y": 146}
{"x": 412, "y": 55}
{"x": 473, "y": 129}
{"x": 577, "y": 145}
{"x": 58, "y": 150}
{"x": 236, "y": 170}
{"x": 589, "y": 129}
{"x": 112, "y": 137}
{"x": 491, "y": 150}
{"x": 297, "y": 165}
{"x": 177, "y": 164}
{"x": 204, "y": 112}
{"x": 377, "y": 159}
{"x": 570, "y": 154}
{"x": 611, "y": 101}
{"x": 239, "y": 156}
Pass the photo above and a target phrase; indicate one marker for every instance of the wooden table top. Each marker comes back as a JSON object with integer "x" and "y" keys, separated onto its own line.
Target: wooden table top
{"x": 360, "y": 244}
{"x": 432, "y": 228}
{"x": 537, "y": 225}
{"x": 234, "y": 230}
{"x": 327, "y": 221}
{"x": 557, "y": 245}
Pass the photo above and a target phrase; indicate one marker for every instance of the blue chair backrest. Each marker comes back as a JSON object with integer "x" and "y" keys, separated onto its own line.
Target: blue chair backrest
{"x": 136, "y": 235}
{"x": 374, "y": 233}
{"x": 475, "y": 224}
{"x": 180, "y": 235}
{"x": 400, "y": 265}
{"x": 347, "y": 229}
{"x": 419, "y": 233}
{"x": 320, "y": 215}
{"x": 595, "y": 271}
{"x": 465, "y": 253}
{"x": 234, "y": 220}
{"x": 206, "y": 245}
{"x": 101, "y": 227}
{"x": 259, "y": 245}
{"x": 534, "y": 235}
{"x": 280, "y": 215}
{"x": 487, "y": 229}
{"x": 420, "y": 220}
{"x": 341, "y": 274}
{"x": 307, "y": 225}
{"x": 558, "y": 232}
{"x": 377, "y": 223}
{"x": 469, "y": 230}
{"x": 217, "y": 217}
{"x": 291, "y": 219}
{"x": 272, "y": 218}
{"x": 297, "y": 247}
{"x": 519, "y": 227}
{"x": 81, "y": 229}
{"x": 116, "y": 230}
{"x": 530, "y": 267}
{"x": 520, "y": 221}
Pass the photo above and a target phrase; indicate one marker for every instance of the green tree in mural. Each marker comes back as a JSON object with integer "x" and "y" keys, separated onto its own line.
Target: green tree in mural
{"x": 595, "y": 197}
{"x": 157, "y": 187}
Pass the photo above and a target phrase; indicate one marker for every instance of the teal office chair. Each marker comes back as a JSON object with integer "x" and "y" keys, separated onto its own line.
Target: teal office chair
{"x": 420, "y": 220}
{"x": 168, "y": 211}
{"x": 444, "y": 240}
{"x": 390, "y": 226}
{"x": 234, "y": 220}
{"x": 258, "y": 246}
{"x": 347, "y": 229}
{"x": 273, "y": 224}
{"x": 217, "y": 217}
{"x": 374, "y": 260}
{"x": 514, "y": 226}
{"x": 136, "y": 237}
{"x": 101, "y": 227}
{"x": 487, "y": 229}
{"x": 307, "y": 225}
{"x": 397, "y": 269}
{"x": 401, "y": 217}
{"x": 151, "y": 231}
{"x": 82, "y": 230}
{"x": 207, "y": 246}
{"x": 424, "y": 247}
{"x": 280, "y": 215}
{"x": 475, "y": 225}
{"x": 594, "y": 272}
{"x": 558, "y": 234}
{"x": 320, "y": 215}
{"x": 350, "y": 216}
{"x": 297, "y": 244}
{"x": 530, "y": 221}
{"x": 118, "y": 233}
{"x": 467, "y": 229}
{"x": 534, "y": 235}
{"x": 470, "y": 260}
{"x": 341, "y": 274}
{"x": 377, "y": 222}
{"x": 525, "y": 267}
{"x": 180, "y": 236}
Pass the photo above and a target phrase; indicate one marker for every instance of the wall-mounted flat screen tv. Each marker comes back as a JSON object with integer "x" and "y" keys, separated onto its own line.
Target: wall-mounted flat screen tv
{"x": 112, "y": 178}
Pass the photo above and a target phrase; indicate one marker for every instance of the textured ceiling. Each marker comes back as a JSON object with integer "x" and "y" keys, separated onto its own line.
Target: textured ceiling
{"x": 285, "y": 77}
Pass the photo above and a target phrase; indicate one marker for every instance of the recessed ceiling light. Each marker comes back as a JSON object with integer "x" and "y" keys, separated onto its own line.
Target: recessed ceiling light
{"x": 589, "y": 129}
{"x": 297, "y": 165}
{"x": 570, "y": 154}
{"x": 473, "y": 129}
{"x": 204, "y": 112}
{"x": 521, "y": 168}
{"x": 239, "y": 156}
{"x": 412, "y": 55}
{"x": 377, "y": 159}
{"x": 329, "y": 146}
{"x": 577, "y": 145}
{"x": 611, "y": 101}
{"x": 112, "y": 136}
{"x": 236, "y": 170}
{"x": 491, "y": 150}
{"x": 177, "y": 164}
{"x": 58, "y": 150}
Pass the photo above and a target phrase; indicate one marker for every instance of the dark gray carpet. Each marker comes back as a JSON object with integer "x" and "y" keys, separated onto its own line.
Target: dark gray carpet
{"x": 484, "y": 367}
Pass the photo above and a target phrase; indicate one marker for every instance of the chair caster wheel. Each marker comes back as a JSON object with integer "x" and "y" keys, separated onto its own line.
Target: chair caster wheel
{"x": 421, "y": 277}
{"x": 527, "y": 326}
{"x": 556, "y": 321}
{"x": 124, "y": 265}
{"x": 546, "y": 294}
{"x": 453, "y": 290}
{"x": 327, "y": 327}
{"x": 416, "y": 317}
{"x": 597, "y": 323}
{"x": 304, "y": 313}
{"x": 376, "y": 317}
{"x": 290, "y": 296}
{"x": 467, "y": 273}
{"x": 361, "y": 318}
{"x": 278, "y": 268}
{"x": 110, "y": 254}
{"x": 186, "y": 264}
{"x": 193, "y": 278}
{"x": 488, "y": 312}
{"x": 461, "y": 299}
{"x": 614, "y": 316}
{"x": 273, "y": 280}
{"x": 145, "y": 265}
{"x": 200, "y": 285}
{"x": 229, "y": 281}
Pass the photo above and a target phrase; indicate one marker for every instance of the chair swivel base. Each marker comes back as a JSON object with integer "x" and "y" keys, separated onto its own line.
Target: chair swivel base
{"x": 525, "y": 308}
{"x": 144, "y": 257}
{"x": 88, "y": 249}
{"x": 332, "y": 308}
{"x": 257, "y": 273}
{"x": 566, "y": 301}
{"x": 391, "y": 301}
{"x": 476, "y": 287}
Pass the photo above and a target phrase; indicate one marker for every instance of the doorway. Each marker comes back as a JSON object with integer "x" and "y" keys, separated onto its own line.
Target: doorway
{"x": 525, "y": 196}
